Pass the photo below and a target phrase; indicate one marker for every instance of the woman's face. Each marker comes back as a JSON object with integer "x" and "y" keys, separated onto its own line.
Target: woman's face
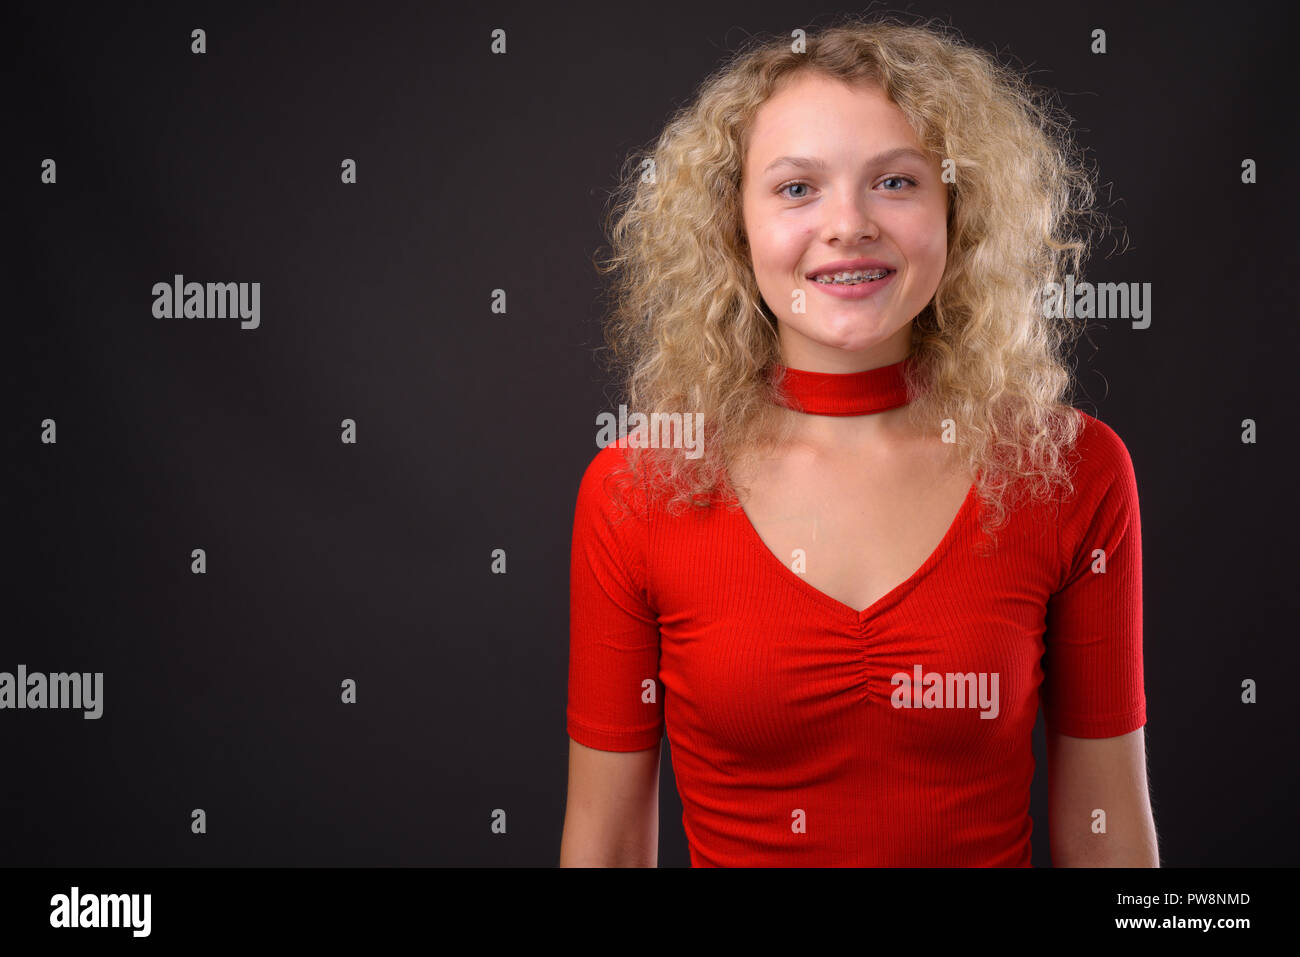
{"x": 851, "y": 192}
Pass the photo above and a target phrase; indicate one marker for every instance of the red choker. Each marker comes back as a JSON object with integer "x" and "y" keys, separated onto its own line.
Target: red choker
{"x": 851, "y": 393}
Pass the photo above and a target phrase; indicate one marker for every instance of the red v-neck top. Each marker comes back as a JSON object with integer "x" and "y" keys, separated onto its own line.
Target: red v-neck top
{"x": 782, "y": 705}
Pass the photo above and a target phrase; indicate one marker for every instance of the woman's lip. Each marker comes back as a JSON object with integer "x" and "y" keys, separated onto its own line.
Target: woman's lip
{"x": 849, "y": 265}
{"x": 812, "y": 276}
{"x": 859, "y": 291}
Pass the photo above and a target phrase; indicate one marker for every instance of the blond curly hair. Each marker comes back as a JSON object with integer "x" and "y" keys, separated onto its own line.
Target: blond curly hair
{"x": 688, "y": 330}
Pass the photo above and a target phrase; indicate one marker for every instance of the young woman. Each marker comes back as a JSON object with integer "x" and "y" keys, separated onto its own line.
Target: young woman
{"x": 899, "y": 538}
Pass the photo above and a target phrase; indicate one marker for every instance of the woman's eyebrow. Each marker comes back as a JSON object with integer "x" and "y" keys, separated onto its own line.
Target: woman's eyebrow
{"x": 810, "y": 162}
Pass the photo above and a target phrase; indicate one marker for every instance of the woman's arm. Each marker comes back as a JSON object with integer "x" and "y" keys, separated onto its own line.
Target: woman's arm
{"x": 1087, "y": 775}
{"x": 611, "y": 818}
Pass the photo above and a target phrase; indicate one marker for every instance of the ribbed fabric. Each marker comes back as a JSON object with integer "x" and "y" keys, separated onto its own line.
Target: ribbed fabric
{"x": 777, "y": 699}
{"x": 844, "y": 393}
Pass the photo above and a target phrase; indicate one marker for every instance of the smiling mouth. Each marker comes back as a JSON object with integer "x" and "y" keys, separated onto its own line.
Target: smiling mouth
{"x": 857, "y": 278}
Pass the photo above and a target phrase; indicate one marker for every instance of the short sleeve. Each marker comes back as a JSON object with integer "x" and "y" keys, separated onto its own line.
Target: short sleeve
{"x": 615, "y": 701}
{"x": 1092, "y": 665}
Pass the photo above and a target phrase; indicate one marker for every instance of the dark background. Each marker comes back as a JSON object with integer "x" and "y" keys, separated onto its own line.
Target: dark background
{"x": 372, "y": 561}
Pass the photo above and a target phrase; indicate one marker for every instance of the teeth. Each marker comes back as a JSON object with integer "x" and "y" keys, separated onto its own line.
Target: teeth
{"x": 854, "y": 276}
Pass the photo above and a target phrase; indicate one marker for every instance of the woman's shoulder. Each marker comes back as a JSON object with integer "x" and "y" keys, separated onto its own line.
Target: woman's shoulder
{"x": 606, "y": 482}
{"x": 607, "y": 462}
{"x": 1100, "y": 466}
{"x": 1100, "y": 452}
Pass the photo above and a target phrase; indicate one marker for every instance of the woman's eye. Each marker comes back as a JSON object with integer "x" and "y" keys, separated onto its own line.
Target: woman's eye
{"x": 804, "y": 186}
